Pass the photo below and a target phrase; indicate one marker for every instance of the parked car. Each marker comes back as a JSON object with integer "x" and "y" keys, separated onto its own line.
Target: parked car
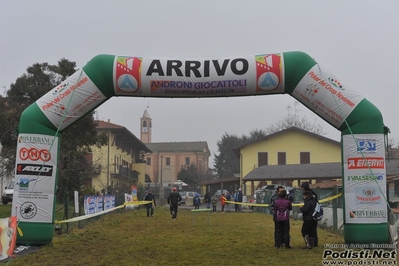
{"x": 8, "y": 192}
{"x": 271, "y": 187}
{"x": 187, "y": 196}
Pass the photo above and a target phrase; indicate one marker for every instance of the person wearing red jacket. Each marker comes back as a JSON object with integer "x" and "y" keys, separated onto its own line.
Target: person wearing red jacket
{"x": 223, "y": 201}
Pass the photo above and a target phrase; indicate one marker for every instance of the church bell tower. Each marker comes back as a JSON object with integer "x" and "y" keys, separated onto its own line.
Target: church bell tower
{"x": 145, "y": 127}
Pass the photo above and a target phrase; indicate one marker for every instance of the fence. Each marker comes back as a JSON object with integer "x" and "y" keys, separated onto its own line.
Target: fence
{"x": 66, "y": 210}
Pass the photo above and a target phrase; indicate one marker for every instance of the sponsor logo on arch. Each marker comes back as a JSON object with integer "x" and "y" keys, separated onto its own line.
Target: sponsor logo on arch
{"x": 34, "y": 154}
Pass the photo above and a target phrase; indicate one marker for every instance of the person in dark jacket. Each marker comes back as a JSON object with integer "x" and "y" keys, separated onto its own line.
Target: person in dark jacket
{"x": 272, "y": 211}
{"x": 174, "y": 199}
{"x": 273, "y": 200}
{"x": 282, "y": 207}
{"x": 196, "y": 201}
{"x": 239, "y": 199}
{"x": 150, "y": 206}
{"x": 208, "y": 199}
{"x": 235, "y": 196}
{"x": 308, "y": 221}
{"x": 305, "y": 186}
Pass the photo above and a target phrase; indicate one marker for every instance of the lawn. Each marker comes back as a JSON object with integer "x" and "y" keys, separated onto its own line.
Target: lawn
{"x": 131, "y": 238}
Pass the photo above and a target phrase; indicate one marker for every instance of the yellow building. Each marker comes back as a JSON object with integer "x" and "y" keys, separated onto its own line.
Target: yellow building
{"x": 286, "y": 147}
{"x": 120, "y": 164}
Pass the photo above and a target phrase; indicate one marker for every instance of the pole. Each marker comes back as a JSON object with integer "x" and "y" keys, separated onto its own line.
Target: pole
{"x": 109, "y": 134}
{"x": 161, "y": 188}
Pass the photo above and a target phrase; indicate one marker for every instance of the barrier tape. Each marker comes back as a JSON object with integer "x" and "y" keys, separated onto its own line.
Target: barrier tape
{"x": 84, "y": 217}
{"x": 88, "y": 216}
{"x": 296, "y": 204}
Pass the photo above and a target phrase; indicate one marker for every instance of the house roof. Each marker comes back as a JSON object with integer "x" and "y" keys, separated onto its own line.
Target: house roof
{"x": 290, "y": 129}
{"x": 191, "y": 146}
{"x": 122, "y": 131}
{"x": 308, "y": 171}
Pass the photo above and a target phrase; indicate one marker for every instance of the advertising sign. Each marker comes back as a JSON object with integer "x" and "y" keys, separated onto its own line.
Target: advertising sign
{"x": 36, "y": 165}
{"x": 325, "y": 95}
{"x": 70, "y": 100}
{"x": 203, "y": 77}
{"x": 365, "y": 178}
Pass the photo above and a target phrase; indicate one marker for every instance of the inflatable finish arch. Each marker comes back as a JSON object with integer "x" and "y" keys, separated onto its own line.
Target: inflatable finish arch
{"x": 294, "y": 73}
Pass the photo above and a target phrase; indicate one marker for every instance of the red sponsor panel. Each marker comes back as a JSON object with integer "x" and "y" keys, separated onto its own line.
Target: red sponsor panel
{"x": 128, "y": 74}
{"x": 268, "y": 72}
{"x": 34, "y": 154}
{"x": 365, "y": 163}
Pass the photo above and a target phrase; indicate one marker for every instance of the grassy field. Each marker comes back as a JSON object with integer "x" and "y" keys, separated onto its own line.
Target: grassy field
{"x": 130, "y": 238}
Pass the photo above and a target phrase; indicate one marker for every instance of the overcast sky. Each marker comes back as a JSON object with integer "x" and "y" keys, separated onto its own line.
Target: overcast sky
{"x": 355, "y": 40}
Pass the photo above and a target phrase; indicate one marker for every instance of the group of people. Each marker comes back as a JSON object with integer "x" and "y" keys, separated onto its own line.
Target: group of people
{"x": 224, "y": 198}
{"x": 280, "y": 206}
{"x": 173, "y": 200}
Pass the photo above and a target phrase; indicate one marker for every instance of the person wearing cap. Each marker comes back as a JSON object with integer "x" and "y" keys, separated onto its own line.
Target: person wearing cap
{"x": 150, "y": 206}
{"x": 174, "y": 199}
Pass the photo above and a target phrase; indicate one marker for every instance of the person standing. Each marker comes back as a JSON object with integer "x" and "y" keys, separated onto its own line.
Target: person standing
{"x": 308, "y": 221}
{"x": 208, "y": 199}
{"x": 174, "y": 199}
{"x": 228, "y": 198}
{"x": 282, "y": 209}
{"x": 235, "y": 196}
{"x": 272, "y": 211}
{"x": 196, "y": 201}
{"x": 150, "y": 206}
{"x": 305, "y": 187}
{"x": 239, "y": 199}
{"x": 214, "y": 202}
{"x": 273, "y": 200}
{"x": 223, "y": 201}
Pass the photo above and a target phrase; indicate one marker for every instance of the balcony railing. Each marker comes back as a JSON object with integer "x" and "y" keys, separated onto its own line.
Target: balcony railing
{"x": 124, "y": 172}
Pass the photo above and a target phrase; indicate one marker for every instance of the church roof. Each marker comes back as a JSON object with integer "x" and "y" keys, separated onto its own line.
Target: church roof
{"x": 146, "y": 114}
{"x": 197, "y": 146}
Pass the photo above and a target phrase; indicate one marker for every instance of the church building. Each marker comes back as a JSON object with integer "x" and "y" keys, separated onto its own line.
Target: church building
{"x": 168, "y": 158}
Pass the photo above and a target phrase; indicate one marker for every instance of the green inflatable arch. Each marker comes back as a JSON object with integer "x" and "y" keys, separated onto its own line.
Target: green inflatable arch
{"x": 294, "y": 73}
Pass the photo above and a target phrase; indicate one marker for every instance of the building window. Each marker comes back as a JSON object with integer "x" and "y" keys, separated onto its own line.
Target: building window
{"x": 281, "y": 158}
{"x": 187, "y": 160}
{"x": 167, "y": 161}
{"x": 262, "y": 158}
{"x": 305, "y": 157}
{"x": 148, "y": 159}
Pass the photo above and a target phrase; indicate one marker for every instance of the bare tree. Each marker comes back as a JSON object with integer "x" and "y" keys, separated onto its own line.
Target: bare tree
{"x": 294, "y": 120}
